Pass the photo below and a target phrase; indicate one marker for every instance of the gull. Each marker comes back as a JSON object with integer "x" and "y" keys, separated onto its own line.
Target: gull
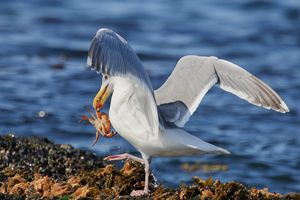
{"x": 153, "y": 121}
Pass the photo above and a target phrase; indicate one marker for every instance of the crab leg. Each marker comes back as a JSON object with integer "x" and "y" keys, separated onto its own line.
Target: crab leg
{"x": 103, "y": 130}
{"x": 86, "y": 118}
{"x": 91, "y": 112}
{"x": 97, "y": 137}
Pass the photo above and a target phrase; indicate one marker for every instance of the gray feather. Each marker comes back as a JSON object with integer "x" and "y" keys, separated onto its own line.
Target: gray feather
{"x": 110, "y": 54}
{"x": 193, "y": 76}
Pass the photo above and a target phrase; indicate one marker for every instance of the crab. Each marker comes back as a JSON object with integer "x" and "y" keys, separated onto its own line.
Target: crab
{"x": 101, "y": 123}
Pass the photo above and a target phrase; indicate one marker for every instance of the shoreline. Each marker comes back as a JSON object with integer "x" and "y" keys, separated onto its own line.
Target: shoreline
{"x": 36, "y": 168}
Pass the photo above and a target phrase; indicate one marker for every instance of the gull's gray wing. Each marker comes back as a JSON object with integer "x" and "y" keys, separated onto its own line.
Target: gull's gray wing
{"x": 110, "y": 54}
{"x": 193, "y": 76}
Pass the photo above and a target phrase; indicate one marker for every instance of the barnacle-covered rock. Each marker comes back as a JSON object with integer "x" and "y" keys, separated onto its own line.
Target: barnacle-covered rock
{"x": 27, "y": 155}
{"x": 90, "y": 179}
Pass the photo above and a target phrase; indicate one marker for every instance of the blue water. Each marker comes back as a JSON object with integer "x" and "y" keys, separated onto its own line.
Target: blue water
{"x": 261, "y": 36}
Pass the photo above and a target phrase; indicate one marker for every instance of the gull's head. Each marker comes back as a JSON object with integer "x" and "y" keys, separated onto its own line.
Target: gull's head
{"x": 104, "y": 92}
{"x": 112, "y": 56}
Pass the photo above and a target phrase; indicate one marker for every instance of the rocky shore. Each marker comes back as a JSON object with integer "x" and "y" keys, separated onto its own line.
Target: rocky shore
{"x": 36, "y": 168}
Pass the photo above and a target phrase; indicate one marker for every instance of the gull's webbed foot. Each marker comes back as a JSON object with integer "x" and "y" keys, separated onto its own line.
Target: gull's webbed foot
{"x": 145, "y": 161}
{"x": 137, "y": 193}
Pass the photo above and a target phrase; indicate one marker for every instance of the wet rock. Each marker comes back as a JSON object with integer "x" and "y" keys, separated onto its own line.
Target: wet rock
{"x": 35, "y": 168}
{"x": 29, "y": 155}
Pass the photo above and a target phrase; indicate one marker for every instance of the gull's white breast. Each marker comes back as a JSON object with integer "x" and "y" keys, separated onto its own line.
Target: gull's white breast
{"x": 133, "y": 113}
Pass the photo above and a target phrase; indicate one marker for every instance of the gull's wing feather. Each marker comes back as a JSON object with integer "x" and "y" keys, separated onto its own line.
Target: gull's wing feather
{"x": 193, "y": 76}
{"x": 110, "y": 54}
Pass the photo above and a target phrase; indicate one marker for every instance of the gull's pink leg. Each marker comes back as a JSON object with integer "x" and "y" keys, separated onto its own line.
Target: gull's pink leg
{"x": 123, "y": 157}
{"x": 146, "y": 160}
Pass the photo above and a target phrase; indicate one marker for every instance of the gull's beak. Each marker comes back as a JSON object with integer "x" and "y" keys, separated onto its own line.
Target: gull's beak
{"x": 101, "y": 97}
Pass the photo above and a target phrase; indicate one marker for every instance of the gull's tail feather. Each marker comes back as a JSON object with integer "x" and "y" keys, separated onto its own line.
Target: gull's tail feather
{"x": 178, "y": 142}
{"x": 202, "y": 146}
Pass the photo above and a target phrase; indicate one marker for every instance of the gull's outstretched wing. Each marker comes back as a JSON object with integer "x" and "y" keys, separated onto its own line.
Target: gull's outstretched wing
{"x": 193, "y": 76}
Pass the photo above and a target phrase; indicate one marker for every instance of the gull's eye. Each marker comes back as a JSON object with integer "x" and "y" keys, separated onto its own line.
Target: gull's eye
{"x": 105, "y": 77}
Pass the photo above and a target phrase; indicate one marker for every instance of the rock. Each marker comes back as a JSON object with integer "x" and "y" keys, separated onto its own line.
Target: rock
{"x": 33, "y": 154}
{"x": 35, "y": 168}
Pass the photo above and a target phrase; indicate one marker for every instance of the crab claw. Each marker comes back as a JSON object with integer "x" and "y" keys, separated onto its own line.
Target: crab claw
{"x": 84, "y": 118}
{"x": 111, "y": 134}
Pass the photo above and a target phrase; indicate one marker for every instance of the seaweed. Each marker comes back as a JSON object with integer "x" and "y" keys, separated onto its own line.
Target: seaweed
{"x": 93, "y": 179}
